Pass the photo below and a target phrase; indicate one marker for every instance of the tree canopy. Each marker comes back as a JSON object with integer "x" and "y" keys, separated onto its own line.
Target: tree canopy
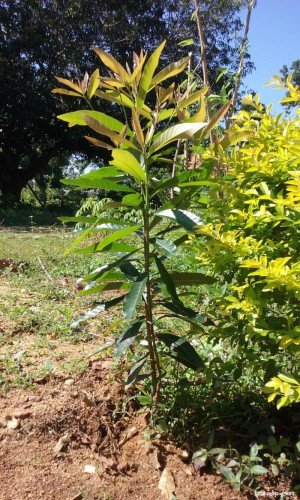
{"x": 40, "y": 39}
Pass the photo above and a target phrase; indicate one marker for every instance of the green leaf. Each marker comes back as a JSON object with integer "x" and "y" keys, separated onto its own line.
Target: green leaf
{"x": 134, "y": 298}
{"x": 169, "y": 71}
{"x": 82, "y": 219}
{"x": 182, "y": 279}
{"x": 77, "y": 118}
{"x": 126, "y": 162}
{"x": 132, "y": 200}
{"x": 148, "y": 72}
{"x": 182, "y": 351}
{"x": 104, "y": 306}
{"x": 184, "y": 43}
{"x": 226, "y": 473}
{"x": 88, "y": 182}
{"x": 104, "y": 287}
{"x": 134, "y": 372}
{"x": 97, "y": 180}
{"x": 167, "y": 280}
{"x": 174, "y": 133}
{"x": 166, "y": 247}
{"x": 184, "y": 218}
{"x": 130, "y": 271}
{"x": 99, "y": 271}
{"x": 258, "y": 469}
{"x": 106, "y": 242}
{"x": 127, "y": 337}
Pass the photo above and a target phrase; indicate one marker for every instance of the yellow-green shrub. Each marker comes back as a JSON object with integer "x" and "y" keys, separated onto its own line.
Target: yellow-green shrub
{"x": 251, "y": 234}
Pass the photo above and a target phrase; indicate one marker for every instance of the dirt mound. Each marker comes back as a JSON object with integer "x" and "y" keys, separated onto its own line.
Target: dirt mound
{"x": 71, "y": 439}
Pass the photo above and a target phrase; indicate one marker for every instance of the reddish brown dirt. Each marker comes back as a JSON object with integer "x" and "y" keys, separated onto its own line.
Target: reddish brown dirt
{"x": 84, "y": 411}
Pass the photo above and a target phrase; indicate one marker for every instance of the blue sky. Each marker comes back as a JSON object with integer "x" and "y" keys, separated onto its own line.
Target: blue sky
{"x": 274, "y": 40}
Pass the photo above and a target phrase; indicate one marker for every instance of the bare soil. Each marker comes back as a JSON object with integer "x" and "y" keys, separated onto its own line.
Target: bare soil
{"x": 63, "y": 426}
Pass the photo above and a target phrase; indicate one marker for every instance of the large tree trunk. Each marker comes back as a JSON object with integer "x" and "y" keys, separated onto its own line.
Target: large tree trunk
{"x": 13, "y": 178}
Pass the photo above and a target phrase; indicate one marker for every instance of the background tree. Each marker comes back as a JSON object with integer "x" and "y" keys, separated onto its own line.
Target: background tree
{"x": 42, "y": 38}
{"x": 294, "y": 71}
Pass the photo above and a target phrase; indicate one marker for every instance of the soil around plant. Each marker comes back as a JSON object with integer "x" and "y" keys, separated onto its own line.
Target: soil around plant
{"x": 71, "y": 439}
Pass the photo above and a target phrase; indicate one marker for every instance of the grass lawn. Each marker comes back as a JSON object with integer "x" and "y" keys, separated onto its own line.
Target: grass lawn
{"x": 38, "y": 301}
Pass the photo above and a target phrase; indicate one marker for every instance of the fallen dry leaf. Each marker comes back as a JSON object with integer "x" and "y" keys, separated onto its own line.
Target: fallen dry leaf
{"x": 167, "y": 485}
{"x": 61, "y": 443}
{"x": 87, "y": 399}
{"x": 12, "y": 422}
{"x": 154, "y": 460}
{"x": 132, "y": 432}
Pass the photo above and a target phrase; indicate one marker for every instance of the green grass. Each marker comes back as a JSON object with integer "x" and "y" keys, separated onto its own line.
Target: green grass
{"x": 38, "y": 302}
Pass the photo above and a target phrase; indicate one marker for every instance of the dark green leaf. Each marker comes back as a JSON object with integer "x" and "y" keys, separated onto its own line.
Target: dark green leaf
{"x": 104, "y": 306}
{"x": 134, "y": 372}
{"x": 167, "y": 247}
{"x": 108, "y": 240}
{"x": 186, "y": 219}
{"x": 134, "y": 298}
{"x": 167, "y": 280}
{"x": 182, "y": 351}
{"x": 127, "y": 337}
{"x": 112, "y": 247}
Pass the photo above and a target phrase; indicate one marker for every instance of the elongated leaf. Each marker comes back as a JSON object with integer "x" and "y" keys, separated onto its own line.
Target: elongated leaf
{"x": 137, "y": 128}
{"x": 68, "y": 83}
{"x": 167, "y": 247}
{"x": 134, "y": 298}
{"x": 97, "y": 142}
{"x": 128, "y": 337}
{"x": 184, "y": 218}
{"x": 117, "y": 139}
{"x": 104, "y": 287}
{"x": 132, "y": 200}
{"x": 106, "y": 242}
{"x": 167, "y": 280}
{"x": 66, "y": 92}
{"x": 134, "y": 373}
{"x": 148, "y": 73}
{"x": 169, "y": 71}
{"x": 182, "y": 351}
{"x": 126, "y": 162}
{"x": 174, "y": 133}
{"x": 112, "y": 64}
{"x": 82, "y": 219}
{"x": 123, "y": 100}
{"x": 99, "y": 271}
{"x": 130, "y": 271}
{"x": 78, "y": 118}
{"x": 93, "y": 84}
{"x": 213, "y": 122}
{"x": 89, "y": 181}
{"x": 182, "y": 310}
{"x": 198, "y": 183}
{"x": 104, "y": 306}
{"x": 192, "y": 98}
{"x": 181, "y": 279}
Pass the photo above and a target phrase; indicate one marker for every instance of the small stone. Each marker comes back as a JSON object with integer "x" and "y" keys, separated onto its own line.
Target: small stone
{"x": 69, "y": 381}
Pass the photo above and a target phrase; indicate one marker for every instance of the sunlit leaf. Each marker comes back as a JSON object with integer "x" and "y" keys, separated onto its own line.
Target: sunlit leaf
{"x": 93, "y": 84}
